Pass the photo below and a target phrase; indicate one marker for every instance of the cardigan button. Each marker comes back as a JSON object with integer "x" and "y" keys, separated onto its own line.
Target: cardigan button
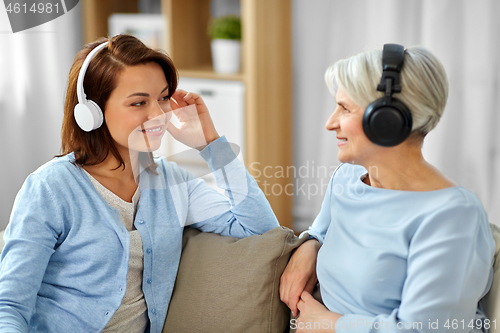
{"x": 153, "y": 311}
{"x": 148, "y": 251}
{"x": 149, "y": 281}
{"x": 140, "y": 221}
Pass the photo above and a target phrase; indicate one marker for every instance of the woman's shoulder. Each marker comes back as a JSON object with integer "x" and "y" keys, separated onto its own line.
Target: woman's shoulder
{"x": 55, "y": 182}
{"x": 466, "y": 206}
{"x": 456, "y": 207}
{"x": 167, "y": 166}
{"x": 58, "y": 176}
{"x": 460, "y": 214}
{"x": 57, "y": 168}
{"x": 171, "y": 170}
{"x": 455, "y": 198}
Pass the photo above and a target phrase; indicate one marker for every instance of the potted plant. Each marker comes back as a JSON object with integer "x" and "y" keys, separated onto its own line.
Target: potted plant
{"x": 225, "y": 33}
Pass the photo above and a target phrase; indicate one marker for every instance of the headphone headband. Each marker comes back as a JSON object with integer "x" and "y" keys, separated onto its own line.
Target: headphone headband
{"x": 392, "y": 61}
{"x": 80, "y": 93}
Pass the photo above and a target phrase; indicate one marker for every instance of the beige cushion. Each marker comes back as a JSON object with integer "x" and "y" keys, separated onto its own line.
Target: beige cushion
{"x": 227, "y": 284}
{"x": 491, "y": 302}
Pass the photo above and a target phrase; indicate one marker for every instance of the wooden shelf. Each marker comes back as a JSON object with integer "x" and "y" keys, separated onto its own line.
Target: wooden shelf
{"x": 96, "y": 14}
{"x": 207, "y": 72}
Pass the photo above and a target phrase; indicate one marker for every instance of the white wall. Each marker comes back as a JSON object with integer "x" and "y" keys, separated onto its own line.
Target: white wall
{"x": 313, "y": 104}
{"x": 34, "y": 66}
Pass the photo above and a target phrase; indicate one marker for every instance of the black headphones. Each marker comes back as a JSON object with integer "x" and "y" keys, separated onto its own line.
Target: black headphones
{"x": 387, "y": 121}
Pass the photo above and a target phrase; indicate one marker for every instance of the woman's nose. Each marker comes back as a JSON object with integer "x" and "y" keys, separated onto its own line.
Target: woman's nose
{"x": 157, "y": 110}
{"x": 332, "y": 123}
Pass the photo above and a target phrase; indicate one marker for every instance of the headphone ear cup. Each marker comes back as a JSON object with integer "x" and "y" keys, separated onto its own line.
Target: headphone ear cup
{"x": 97, "y": 112}
{"x": 387, "y": 122}
{"x": 88, "y": 115}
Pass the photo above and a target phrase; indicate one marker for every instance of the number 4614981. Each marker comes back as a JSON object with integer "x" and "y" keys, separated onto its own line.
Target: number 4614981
{"x": 473, "y": 324}
{"x": 36, "y": 8}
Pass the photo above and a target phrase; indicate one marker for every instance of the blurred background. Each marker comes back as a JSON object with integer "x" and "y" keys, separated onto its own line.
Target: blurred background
{"x": 279, "y": 101}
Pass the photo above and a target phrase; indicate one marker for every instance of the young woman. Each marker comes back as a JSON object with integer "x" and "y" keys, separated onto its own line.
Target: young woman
{"x": 401, "y": 246}
{"x": 95, "y": 235}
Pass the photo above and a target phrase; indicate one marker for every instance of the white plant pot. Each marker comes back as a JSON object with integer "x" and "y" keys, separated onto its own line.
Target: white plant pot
{"x": 226, "y": 56}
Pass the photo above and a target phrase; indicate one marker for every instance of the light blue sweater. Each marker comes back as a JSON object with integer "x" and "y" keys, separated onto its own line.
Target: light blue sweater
{"x": 65, "y": 261}
{"x": 401, "y": 257}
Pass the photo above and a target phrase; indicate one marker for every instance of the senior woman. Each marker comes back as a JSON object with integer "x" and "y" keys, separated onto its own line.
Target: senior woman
{"x": 396, "y": 245}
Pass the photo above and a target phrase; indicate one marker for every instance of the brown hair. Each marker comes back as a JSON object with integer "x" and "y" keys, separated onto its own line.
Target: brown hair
{"x": 93, "y": 147}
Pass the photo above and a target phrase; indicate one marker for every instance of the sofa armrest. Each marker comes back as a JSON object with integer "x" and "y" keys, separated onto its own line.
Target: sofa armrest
{"x": 491, "y": 301}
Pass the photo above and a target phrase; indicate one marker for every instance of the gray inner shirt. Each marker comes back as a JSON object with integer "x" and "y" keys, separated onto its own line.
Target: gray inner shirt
{"x": 132, "y": 314}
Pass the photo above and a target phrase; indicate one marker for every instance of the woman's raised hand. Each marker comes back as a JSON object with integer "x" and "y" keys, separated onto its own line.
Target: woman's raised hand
{"x": 196, "y": 128}
{"x": 299, "y": 274}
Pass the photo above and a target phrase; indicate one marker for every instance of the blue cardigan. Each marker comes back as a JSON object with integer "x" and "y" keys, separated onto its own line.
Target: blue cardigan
{"x": 65, "y": 262}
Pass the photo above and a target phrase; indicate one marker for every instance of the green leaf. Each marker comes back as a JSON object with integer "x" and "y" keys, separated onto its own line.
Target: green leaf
{"x": 225, "y": 27}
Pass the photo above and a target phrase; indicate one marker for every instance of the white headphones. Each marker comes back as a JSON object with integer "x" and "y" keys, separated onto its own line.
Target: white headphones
{"x": 88, "y": 114}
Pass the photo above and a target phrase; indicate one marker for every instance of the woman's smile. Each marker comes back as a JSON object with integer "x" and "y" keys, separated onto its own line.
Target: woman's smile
{"x": 153, "y": 131}
{"x": 342, "y": 141}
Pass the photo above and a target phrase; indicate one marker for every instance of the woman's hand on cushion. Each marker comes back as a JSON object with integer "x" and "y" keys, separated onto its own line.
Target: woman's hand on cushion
{"x": 314, "y": 316}
{"x": 299, "y": 274}
{"x": 196, "y": 128}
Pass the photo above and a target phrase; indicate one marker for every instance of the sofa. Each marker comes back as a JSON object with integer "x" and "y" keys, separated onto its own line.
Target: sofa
{"x": 226, "y": 284}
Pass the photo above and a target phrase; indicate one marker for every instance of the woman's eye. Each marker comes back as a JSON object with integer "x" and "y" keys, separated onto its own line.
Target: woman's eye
{"x": 165, "y": 98}
{"x": 138, "y": 103}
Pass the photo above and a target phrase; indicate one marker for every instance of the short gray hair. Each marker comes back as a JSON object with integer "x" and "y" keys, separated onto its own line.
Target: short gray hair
{"x": 423, "y": 80}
